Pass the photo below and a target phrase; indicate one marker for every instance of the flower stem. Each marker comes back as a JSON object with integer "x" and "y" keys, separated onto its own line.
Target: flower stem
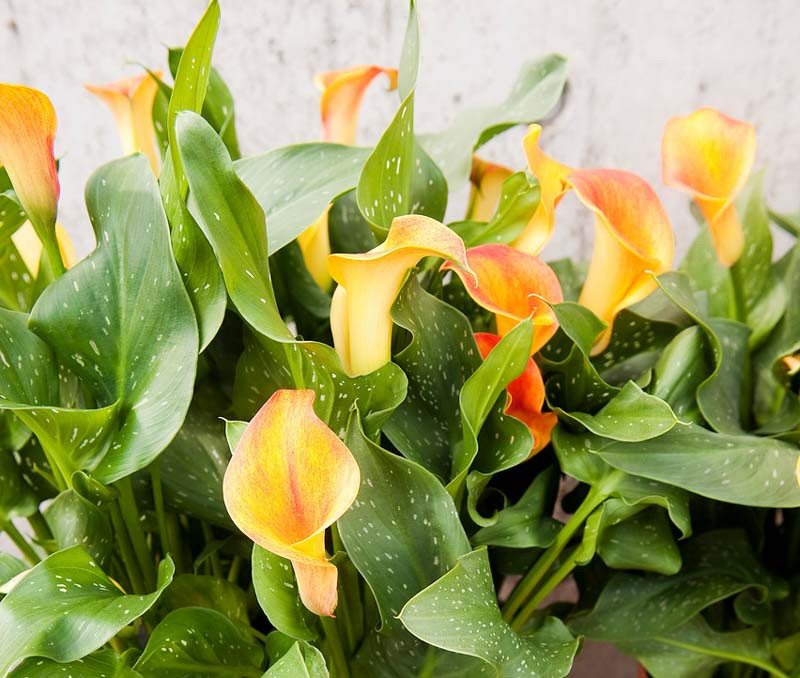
{"x": 21, "y": 543}
{"x": 133, "y": 524}
{"x": 126, "y": 552}
{"x": 528, "y": 583}
{"x": 546, "y": 588}
{"x": 208, "y": 536}
{"x": 338, "y": 659}
{"x": 158, "y": 502}
{"x": 236, "y": 566}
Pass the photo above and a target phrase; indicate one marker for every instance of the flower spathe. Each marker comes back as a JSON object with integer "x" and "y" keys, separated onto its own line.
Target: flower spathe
{"x": 552, "y": 177}
{"x": 289, "y": 479}
{"x": 361, "y": 322}
{"x": 486, "y": 179}
{"x": 342, "y": 91}
{"x": 131, "y": 102}
{"x": 709, "y": 155}
{"x": 633, "y": 241}
{"x": 526, "y": 396}
{"x": 514, "y": 286}
{"x": 27, "y": 131}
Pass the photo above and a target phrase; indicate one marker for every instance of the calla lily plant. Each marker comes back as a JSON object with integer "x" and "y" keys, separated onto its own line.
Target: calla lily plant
{"x": 308, "y": 413}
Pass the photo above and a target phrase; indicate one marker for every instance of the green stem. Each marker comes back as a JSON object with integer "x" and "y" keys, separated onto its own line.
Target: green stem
{"x": 40, "y": 527}
{"x": 546, "y": 588}
{"x": 126, "y": 552}
{"x": 344, "y": 608}
{"x": 21, "y": 543}
{"x": 338, "y": 659}
{"x": 54, "y": 256}
{"x": 233, "y": 572}
{"x": 133, "y": 523}
{"x": 728, "y": 656}
{"x": 208, "y": 536}
{"x": 739, "y": 300}
{"x": 528, "y": 583}
{"x": 745, "y": 396}
{"x": 174, "y": 538}
{"x": 158, "y": 503}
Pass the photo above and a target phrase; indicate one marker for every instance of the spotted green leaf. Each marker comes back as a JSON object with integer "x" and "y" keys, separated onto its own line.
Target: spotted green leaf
{"x": 632, "y": 415}
{"x": 66, "y": 607}
{"x": 75, "y": 520}
{"x": 466, "y": 594}
{"x": 301, "y": 660}
{"x": 681, "y": 368}
{"x": 716, "y": 565}
{"x": 296, "y": 183}
{"x": 533, "y": 95}
{"x": 10, "y": 567}
{"x": 100, "y": 664}
{"x": 206, "y": 591}
{"x": 199, "y": 642}
{"x": 134, "y": 345}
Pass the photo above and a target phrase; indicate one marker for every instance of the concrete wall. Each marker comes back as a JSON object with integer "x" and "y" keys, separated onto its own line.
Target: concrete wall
{"x": 634, "y": 63}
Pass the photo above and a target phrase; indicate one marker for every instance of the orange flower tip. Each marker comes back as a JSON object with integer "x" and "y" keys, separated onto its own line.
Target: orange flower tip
{"x": 511, "y": 284}
{"x": 629, "y": 207}
{"x": 27, "y": 132}
{"x": 289, "y": 479}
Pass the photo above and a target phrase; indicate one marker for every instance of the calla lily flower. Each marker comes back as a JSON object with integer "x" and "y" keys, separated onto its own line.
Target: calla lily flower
{"x": 27, "y": 130}
{"x": 30, "y": 247}
{"x": 633, "y": 240}
{"x": 487, "y": 187}
{"x": 553, "y": 185}
{"x": 289, "y": 479}
{"x": 514, "y": 286}
{"x": 342, "y": 92}
{"x": 525, "y": 396}
{"x": 131, "y": 102}
{"x": 709, "y": 155}
{"x": 368, "y": 284}
{"x": 315, "y": 244}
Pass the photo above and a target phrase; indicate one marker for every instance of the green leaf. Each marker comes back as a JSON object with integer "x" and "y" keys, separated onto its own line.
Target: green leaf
{"x": 535, "y": 93}
{"x": 10, "y": 567}
{"x": 526, "y": 524}
{"x": 276, "y": 589}
{"x": 632, "y": 416}
{"x": 716, "y": 565}
{"x": 384, "y": 187}
{"x": 74, "y": 520}
{"x": 741, "y": 469}
{"x": 12, "y": 216}
{"x": 191, "y": 82}
{"x": 300, "y": 661}
{"x": 349, "y": 231}
{"x": 66, "y": 607}
{"x": 695, "y": 649}
{"x": 680, "y": 370}
{"x": 18, "y": 289}
{"x": 100, "y": 664}
{"x": 196, "y": 641}
{"x": 233, "y": 222}
{"x": 193, "y": 465}
{"x": 708, "y": 275}
{"x": 218, "y": 105}
{"x": 199, "y": 590}
{"x": 132, "y": 344}
{"x": 17, "y": 499}
{"x": 296, "y": 183}
{"x": 402, "y": 531}
{"x": 466, "y": 595}
{"x": 409, "y": 58}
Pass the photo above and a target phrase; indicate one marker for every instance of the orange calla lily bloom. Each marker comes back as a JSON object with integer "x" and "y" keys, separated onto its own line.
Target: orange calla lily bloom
{"x": 342, "y": 92}
{"x": 553, "y": 185}
{"x": 525, "y": 396}
{"x": 633, "y": 240}
{"x": 27, "y": 131}
{"x": 131, "y": 102}
{"x": 487, "y": 187}
{"x": 368, "y": 284}
{"x": 710, "y": 155}
{"x": 289, "y": 479}
{"x": 513, "y": 285}
{"x": 340, "y": 103}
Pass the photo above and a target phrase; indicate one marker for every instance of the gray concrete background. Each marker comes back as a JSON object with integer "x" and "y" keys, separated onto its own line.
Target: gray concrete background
{"x": 634, "y": 63}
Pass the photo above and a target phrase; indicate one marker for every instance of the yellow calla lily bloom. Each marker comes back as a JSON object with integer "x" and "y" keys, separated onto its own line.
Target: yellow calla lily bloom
{"x": 513, "y": 285}
{"x": 27, "y": 131}
{"x": 709, "y": 155}
{"x": 487, "y": 187}
{"x": 340, "y": 104}
{"x": 553, "y": 185}
{"x": 289, "y": 479}
{"x": 131, "y": 102}
{"x": 342, "y": 92}
{"x": 633, "y": 240}
{"x": 368, "y": 284}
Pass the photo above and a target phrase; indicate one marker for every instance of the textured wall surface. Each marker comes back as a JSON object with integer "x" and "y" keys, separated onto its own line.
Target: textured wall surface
{"x": 633, "y": 64}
